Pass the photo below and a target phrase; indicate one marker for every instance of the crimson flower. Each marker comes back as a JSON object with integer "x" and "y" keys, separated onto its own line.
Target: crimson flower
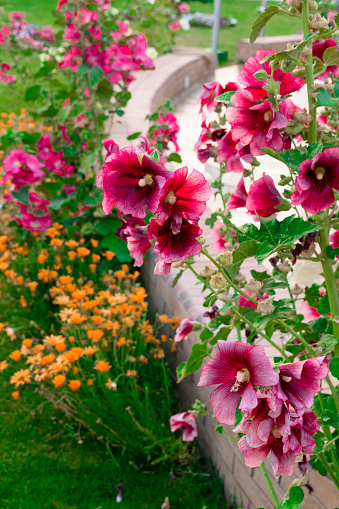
{"x": 318, "y": 49}
{"x": 132, "y": 182}
{"x": 187, "y": 421}
{"x": 212, "y": 90}
{"x": 236, "y": 367}
{"x": 231, "y": 153}
{"x": 175, "y": 246}
{"x": 334, "y": 240}
{"x": 256, "y": 125}
{"x": 316, "y": 181}
{"x": 186, "y": 326}
{"x": 263, "y": 197}
{"x": 22, "y": 168}
{"x": 6, "y": 78}
{"x": 71, "y": 59}
{"x": 288, "y": 83}
{"x": 183, "y": 197}
{"x": 137, "y": 244}
{"x": 238, "y": 197}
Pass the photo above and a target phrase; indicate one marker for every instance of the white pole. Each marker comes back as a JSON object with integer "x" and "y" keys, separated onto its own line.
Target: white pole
{"x": 216, "y": 25}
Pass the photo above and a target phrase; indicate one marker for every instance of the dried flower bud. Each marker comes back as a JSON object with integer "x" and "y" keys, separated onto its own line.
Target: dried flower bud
{"x": 226, "y": 312}
{"x": 297, "y": 290}
{"x": 294, "y": 3}
{"x": 306, "y": 51}
{"x": 253, "y": 286}
{"x": 207, "y": 271}
{"x": 318, "y": 22}
{"x": 308, "y": 253}
{"x": 265, "y": 307}
{"x": 218, "y": 281}
{"x": 303, "y": 116}
{"x": 225, "y": 258}
{"x": 177, "y": 265}
{"x": 225, "y": 297}
{"x": 284, "y": 267}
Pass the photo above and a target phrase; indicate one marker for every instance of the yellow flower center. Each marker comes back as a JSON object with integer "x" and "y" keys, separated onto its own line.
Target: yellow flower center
{"x": 268, "y": 116}
{"x": 146, "y": 181}
{"x": 320, "y": 173}
{"x": 171, "y": 198}
{"x": 242, "y": 376}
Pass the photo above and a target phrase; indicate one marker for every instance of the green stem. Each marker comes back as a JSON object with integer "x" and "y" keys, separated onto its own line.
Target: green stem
{"x": 297, "y": 336}
{"x": 329, "y": 469}
{"x": 331, "y": 285}
{"x": 200, "y": 278}
{"x": 262, "y": 334}
{"x": 312, "y": 128}
{"x": 95, "y": 120}
{"x": 327, "y": 431}
{"x": 269, "y": 485}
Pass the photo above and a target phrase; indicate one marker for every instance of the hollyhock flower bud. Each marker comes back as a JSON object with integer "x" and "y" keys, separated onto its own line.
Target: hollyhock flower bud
{"x": 254, "y": 286}
{"x": 186, "y": 326}
{"x": 303, "y": 116}
{"x": 316, "y": 181}
{"x": 132, "y": 182}
{"x": 236, "y": 367}
{"x": 187, "y": 421}
{"x": 225, "y": 258}
{"x": 297, "y": 290}
{"x": 225, "y": 297}
{"x": 265, "y": 307}
{"x": 207, "y": 271}
{"x": 177, "y": 265}
{"x": 284, "y": 267}
{"x": 240, "y": 277}
{"x": 260, "y": 75}
{"x": 294, "y": 3}
{"x": 263, "y": 197}
{"x": 218, "y": 281}
{"x": 202, "y": 239}
{"x": 318, "y": 22}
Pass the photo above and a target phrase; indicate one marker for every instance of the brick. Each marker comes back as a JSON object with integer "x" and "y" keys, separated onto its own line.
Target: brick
{"x": 249, "y": 487}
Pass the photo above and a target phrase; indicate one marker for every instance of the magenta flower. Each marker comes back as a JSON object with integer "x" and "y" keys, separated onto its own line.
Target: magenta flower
{"x": 186, "y": 326}
{"x": 229, "y": 151}
{"x": 34, "y": 216}
{"x": 132, "y": 182}
{"x": 163, "y": 266}
{"x": 318, "y": 49}
{"x": 88, "y": 16}
{"x": 236, "y": 367}
{"x": 300, "y": 381}
{"x": 71, "y": 59}
{"x": 71, "y": 33}
{"x": 137, "y": 243}
{"x": 187, "y": 421}
{"x": 263, "y": 197}
{"x": 219, "y": 245}
{"x": 175, "y": 246}
{"x": 316, "y": 181}
{"x": 288, "y": 83}
{"x": 256, "y": 125}
{"x": 183, "y": 197}
{"x": 168, "y": 132}
{"x": 212, "y": 90}
{"x": 22, "y": 169}
{"x": 334, "y": 241}
{"x": 6, "y": 78}
{"x": 238, "y": 198}
{"x": 183, "y": 7}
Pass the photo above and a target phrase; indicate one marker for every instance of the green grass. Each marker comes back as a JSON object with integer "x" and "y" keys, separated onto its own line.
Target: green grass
{"x": 245, "y": 11}
{"x": 39, "y": 12}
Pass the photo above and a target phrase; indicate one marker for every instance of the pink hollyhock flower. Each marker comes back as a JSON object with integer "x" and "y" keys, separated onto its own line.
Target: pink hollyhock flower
{"x": 22, "y": 168}
{"x": 174, "y": 26}
{"x": 316, "y": 181}
{"x": 44, "y": 147}
{"x": 69, "y": 189}
{"x": 212, "y": 90}
{"x": 138, "y": 46}
{"x": 183, "y": 197}
{"x": 183, "y": 7}
{"x": 300, "y": 381}
{"x": 61, "y": 3}
{"x": 187, "y": 421}
{"x": 133, "y": 222}
{"x": 71, "y": 33}
{"x": 132, "y": 182}
{"x": 145, "y": 147}
{"x": 110, "y": 146}
{"x": 231, "y": 153}
{"x": 186, "y": 326}
{"x": 219, "y": 245}
{"x": 236, "y": 367}
{"x": 288, "y": 83}
{"x": 238, "y": 198}
{"x": 308, "y": 312}
{"x": 137, "y": 243}
{"x": 256, "y": 125}
{"x": 163, "y": 266}
{"x": 243, "y": 302}
{"x": 88, "y": 16}
{"x": 175, "y": 246}
{"x": 168, "y": 132}
{"x": 4, "y": 32}
{"x": 64, "y": 134}
{"x": 318, "y": 49}
{"x": 263, "y": 197}
{"x": 301, "y": 438}
{"x": 95, "y": 32}
{"x": 334, "y": 240}
{"x": 6, "y": 78}
{"x": 71, "y": 59}
{"x": 35, "y": 216}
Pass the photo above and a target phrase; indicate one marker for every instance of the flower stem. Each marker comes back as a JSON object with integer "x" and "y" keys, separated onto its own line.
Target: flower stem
{"x": 329, "y": 469}
{"x": 312, "y": 128}
{"x": 269, "y": 485}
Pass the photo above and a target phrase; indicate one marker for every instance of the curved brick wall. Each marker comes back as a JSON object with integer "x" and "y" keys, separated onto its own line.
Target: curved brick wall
{"x": 175, "y": 74}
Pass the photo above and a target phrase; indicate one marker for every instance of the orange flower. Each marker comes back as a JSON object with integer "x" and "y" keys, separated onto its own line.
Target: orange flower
{"x": 77, "y": 318}
{"x": 61, "y": 347}
{"x": 163, "y": 338}
{"x": 82, "y": 252}
{"x": 135, "y": 275}
{"x": 20, "y": 280}
{"x": 4, "y": 266}
{"x": 131, "y": 372}
{"x": 94, "y": 242}
{"x": 102, "y": 366}
{"x": 69, "y": 269}
{"x": 72, "y": 255}
{"x": 97, "y": 319}
{"x": 75, "y": 371}
{"x": 93, "y": 268}
{"x": 65, "y": 280}
{"x": 96, "y": 258}
{"x": 23, "y": 301}
{"x": 120, "y": 274}
{"x": 89, "y": 350}
{"x": 3, "y": 366}
{"x": 74, "y": 385}
{"x": 32, "y": 286}
{"x": 52, "y": 232}
{"x": 96, "y": 335}
{"x": 111, "y": 385}
{"x": 90, "y": 381}
{"x": 59, "y": 380}
{"x": 71, "y": 339}
{"x": 47, "y": 275}
{"x": 163, "y": 318}
{"x": 27, "y": 343}
{"x": 79, "y": 294}
{"x": 16, "y": 355}
{"x": 48, "y": 359}
{"x": 109, "y": 255}
{"x": 121, "y": 341}
{"x": 174, "y": 322}
{"x": 71, "y": 243}
{"x": 21, "y": 377}
{"x": 56, "y": 242}
{"x": 16, "y": 395}
{"x": 39, "y": 348}
{"x": 143, "y": 359}
{"x": 42, "y": 257}
{"x": 90, "y": 304}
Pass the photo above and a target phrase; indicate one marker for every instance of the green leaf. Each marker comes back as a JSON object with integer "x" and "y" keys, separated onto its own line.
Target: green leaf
{"x": 320, "y": 325}
{"x": 336, "y": 89}
{"x": 22, "y": 196}
{"x": 261, "y": 20}
{"x": 198, "y": 353}
{"x": 174, "y": 157}
{"x": 296, "y": 496}
{"x": 82, "y": 69}
{"x": 155, "y": 156}
{"x": 206, "y": 334}
{"x": 332, "y": 252}
{"x": 177, "y": 277}
{"x": 334, "y": 367}
{"x": 32, "y": 93}
{"x": 331, "y": 56}
{"x": 134, "y": 136}
{"x": 260, "y": 276}
{"x": 292, "y": 158}
{"x": 113, "y": 243}
{"x": 59, "y": 201}
{"x": 181, "y": 371}
{"x": 265, "y": 250}
{"x": 328, "y": 342}
{"x": 222, "y": 333}
{"x": 324, "y": 98}
{"x": 104, "y": 91}
{"x": 95, "y": 75}
{"x": 225, "y": 98}
{"x": 106, "y": 226}
{"x": 246, "y": 249}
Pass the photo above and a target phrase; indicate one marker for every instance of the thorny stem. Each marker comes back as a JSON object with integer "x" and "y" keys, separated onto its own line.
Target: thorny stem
{"x": 312, "y": 128}
{"x": 269, "y": 485}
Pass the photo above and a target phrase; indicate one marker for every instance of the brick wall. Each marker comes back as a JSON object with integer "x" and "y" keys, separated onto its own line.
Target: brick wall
{"x": 278, "y": 43}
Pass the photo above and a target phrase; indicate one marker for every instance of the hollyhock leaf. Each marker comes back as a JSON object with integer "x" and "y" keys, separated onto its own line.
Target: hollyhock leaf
{"x": 21, "y": 196}
{"x": 260, "y": 276}
{"x": 324, "y": 98}
{"x": 225, "y": 98}
{"x": 332, "y": 252}
{"x": 336, "y": 89}
{"x": 206, "y": 334}
{"x": 313, "y": 149}
{"x": 82, "y": 69}
{"x": 312, "y": 295}
{"x": 118, "y": 247}
{"x": 328, "y": 342}
{"x": 331, "y": 55}
{"x": 319, "y": 325}
{"x": 261, "y": 20}
{"x": 134, "y": 136}
{"x": 265, "y": 249}
{"x": 32, "y": 93}
{"x": 334, "y": 367}
{"x": 181, "y": 371}
{"x": 104, "y": 91}
{"x": 174, "y": 157}
{"x": 177, "y": 277}
{"x": 59, "y": 201}
{"x": 198, "y": 353}
{"x": 324, "y": 305}
{"x": 222, "y": 333}
{"x": 245, "y": 250}
{"x": 95, "y": 75}
{"x": 296, "y": 496}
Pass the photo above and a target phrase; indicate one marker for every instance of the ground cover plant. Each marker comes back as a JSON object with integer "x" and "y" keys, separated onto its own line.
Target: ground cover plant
{"x": 284, "y": 407}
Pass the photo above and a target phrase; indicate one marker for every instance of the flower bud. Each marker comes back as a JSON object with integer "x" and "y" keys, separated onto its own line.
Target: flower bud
{"x": 313, "y": 6}
{"x": 177, "y": 265}
{"x": 288, "y": 65}
{"x": 225, "y": 297}
{"x": 201, "y": 239}
{"x": 239, "y": 277}
{"x": 253, "y": 286}
{"x": 297, "y": 290}
{"x": 260, "y": 75}
{"x": 218, "y": 281}
{"x": 318, "y": 22}
{"x": 265, "y": 307}
{"x": 306, "y": 51}
{"x": 207, "y": 271}
{"x": 298, "y": 73}
{"x": 294, "y": 3}
{"x": 284, "y": 267}
{"x": 303, "y": 116}
{"x": 308, "y": 253}
{"x": 225, "y": 258}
